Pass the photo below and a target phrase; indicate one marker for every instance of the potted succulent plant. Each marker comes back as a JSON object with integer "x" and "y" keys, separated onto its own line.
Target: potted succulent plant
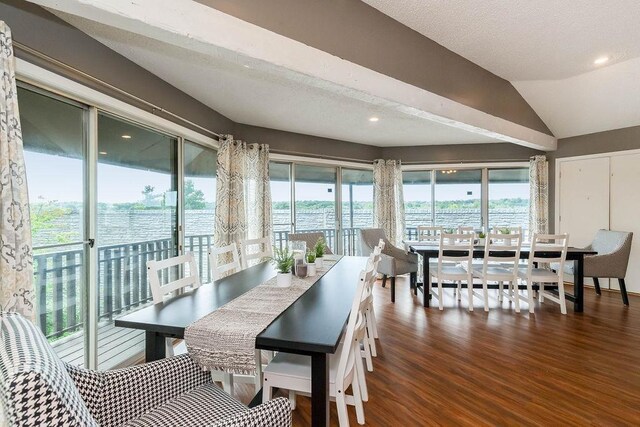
{"x": 481, "y": 238}
{"x": 311, "y": 264}
{"x": 283, "y": 260}
{"x": 319, "y": 248}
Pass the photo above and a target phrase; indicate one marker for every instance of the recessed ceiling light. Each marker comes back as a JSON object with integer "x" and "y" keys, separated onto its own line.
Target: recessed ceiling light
{"x": 601, "y": 60}
{"x": 103, "y": 152}
{"x": 126, "y": 136}
{"x": 373, "y": 119}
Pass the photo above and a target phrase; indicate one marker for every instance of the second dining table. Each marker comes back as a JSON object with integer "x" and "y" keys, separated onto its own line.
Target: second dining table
{"x": 575, "y": 255}
{"x": 313, "y": 325}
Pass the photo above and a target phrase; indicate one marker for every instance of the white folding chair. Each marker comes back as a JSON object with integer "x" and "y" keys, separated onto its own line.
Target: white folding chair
{"x": 293, "y": 372}
{"x": 546, "y": 249}
{"x": 247, "y": 253}
{"x": 229, "y": 252}
{"x": 454, "y": 250}
{"x": 174, "y": 266}
{"x": 500, "y": 264}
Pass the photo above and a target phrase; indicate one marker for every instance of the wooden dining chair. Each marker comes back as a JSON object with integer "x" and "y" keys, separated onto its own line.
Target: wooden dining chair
{"x": 466, "y": 230}
{"x": 546, "y": 249}
{"x": 369, "y": 348}
{"x": 454, "y": 250}
{"x": 264, "y": 250}
{"x": 427, "y": 233}
{"x": 293, "y": 371}
{"x": 158, "y": 271}
{"x": 500, "y": 264}
{"x": 229, "y": 252}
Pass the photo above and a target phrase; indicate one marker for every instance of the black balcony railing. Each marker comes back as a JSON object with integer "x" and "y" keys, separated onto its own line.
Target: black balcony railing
{"x": 122, "y": 281}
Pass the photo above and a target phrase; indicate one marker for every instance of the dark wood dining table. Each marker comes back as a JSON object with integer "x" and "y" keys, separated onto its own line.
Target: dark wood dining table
{"x": 575, "y": 255}
{"x": 313, "y": 325}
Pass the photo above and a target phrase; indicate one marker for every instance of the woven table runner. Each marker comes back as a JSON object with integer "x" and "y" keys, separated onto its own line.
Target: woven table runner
{"x": 225, "y": 339}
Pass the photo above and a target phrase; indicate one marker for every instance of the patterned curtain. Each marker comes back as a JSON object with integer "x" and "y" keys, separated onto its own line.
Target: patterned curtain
{"x": 16, "y": 257}
{"x": 539, "y": 195}
{"x": 388, "y": 201}
{"x": 243, "y": 192}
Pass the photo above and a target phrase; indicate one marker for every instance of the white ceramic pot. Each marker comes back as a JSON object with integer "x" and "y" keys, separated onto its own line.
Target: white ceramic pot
{"x": 283, "y": 280}
{"x": 319, "y": 263}
{"x": 311, "y": 270}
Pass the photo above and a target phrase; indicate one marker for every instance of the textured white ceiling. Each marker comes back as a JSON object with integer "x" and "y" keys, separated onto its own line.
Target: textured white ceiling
{"x": 546, "y": 48}
{"x": 264, "y": 96}
{"x": 526, "y": 39}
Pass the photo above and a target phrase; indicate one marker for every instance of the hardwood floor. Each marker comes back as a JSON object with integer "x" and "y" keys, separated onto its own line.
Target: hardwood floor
{"x": 453, "y": 367}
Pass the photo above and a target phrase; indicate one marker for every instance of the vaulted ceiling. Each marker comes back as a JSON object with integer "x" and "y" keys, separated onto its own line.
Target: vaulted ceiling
{"x": 547, "y": 49}
{"x": 275, "y": 77}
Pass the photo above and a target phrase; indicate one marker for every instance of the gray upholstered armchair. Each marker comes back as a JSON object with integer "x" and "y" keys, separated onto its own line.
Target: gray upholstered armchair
{"x": 394, "y": 262}
{"x": 310, "y": 239}
{"x": 37, "y": 388}
{"x": 614, "y": 248}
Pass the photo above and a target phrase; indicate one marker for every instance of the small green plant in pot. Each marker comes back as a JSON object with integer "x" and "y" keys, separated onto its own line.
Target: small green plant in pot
{"x": 319, "y": 249}
{"x": 311, "y": 264}
{"x": 283, "y": 260}
{"x": 481, "y": 238}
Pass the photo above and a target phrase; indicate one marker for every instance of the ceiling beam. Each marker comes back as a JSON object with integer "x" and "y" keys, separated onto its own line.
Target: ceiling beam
{"x": 205, "y": 30}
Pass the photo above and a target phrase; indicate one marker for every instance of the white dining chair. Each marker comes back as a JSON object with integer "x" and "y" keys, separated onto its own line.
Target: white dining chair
{"x": 264, "y": 250}
{"x": 427, "y": 233}
{"x": 546, "y": 249}
{"x": 454, "y": 250}
{"x": 466, "y": 230}
{"x": 500, "y": 264}
{"x": 293, "y": 372}
{"x": 230, "y": 263}
{"x": 369, "y": 348}
{"x": 174, "y": 267}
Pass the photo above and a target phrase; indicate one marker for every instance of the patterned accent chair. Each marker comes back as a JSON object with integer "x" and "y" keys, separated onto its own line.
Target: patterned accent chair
{"x": 310, "y": 239}
{"x": 37, "y": 388}
{"x": 614, "y": 248}
{"x": 394, "y": 261}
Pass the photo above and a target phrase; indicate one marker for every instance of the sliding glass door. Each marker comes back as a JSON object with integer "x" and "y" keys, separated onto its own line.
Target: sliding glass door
{"x": 458, "y": 198}
{"x": 137, "y": 221}
{"x": 509, "y": 198}
{"x": 417, "y": 201}
{"x": 54, "y": 137}
{"x": 315, "y": 201}
{"x": 357, "y": 206}
{"x": 199, "y": 195}
{"x": 280, "y": 181}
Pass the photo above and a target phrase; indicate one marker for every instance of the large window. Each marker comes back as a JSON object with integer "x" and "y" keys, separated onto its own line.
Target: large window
{"x": 458, "y": 200}
{"x": 417, "y": 200}
{"x": 509, "y": 197}
{"x": 357, "y": 206}
{"x": 54, "y": 149}
{"x": 199, "y": 186}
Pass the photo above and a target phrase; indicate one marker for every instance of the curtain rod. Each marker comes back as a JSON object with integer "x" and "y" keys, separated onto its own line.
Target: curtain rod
{"x": 68, "y": 67}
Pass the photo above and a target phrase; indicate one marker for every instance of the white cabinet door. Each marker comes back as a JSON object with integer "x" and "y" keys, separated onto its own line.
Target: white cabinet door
{"x": 584, "y": 200}
{"x": 625, "y": 210}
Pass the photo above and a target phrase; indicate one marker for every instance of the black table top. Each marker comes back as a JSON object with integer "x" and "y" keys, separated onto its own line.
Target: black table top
{"x": 478, "y": 251}
{"x": 174, "y": 315}
{"x": 314, "y": 323}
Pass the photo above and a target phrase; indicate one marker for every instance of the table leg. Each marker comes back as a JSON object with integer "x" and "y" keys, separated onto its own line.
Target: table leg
{"x": 155, "y": 348}
{"x": 426, "y": 281}
{"x": 319, "y": 389}
{"x": 578, "y": 279}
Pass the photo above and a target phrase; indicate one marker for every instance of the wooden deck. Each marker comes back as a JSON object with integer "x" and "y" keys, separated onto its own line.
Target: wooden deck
{"x": 453, "y": 367}
{"x": 116, "y": 347}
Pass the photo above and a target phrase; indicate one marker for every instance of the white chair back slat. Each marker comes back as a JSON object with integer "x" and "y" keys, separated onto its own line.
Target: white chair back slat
{"x": 219, "y": 270}
{"x": 466, "y": 230}
{"x": 550, "y": 244}
{"x": 462, "y": 244}
{"x": 508, "y": 230}
{"x": 507, "y": 245}
{"x": 154, "y": 270}
{"x": 264, "y": 250}
{"x": 428, "y": 233}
